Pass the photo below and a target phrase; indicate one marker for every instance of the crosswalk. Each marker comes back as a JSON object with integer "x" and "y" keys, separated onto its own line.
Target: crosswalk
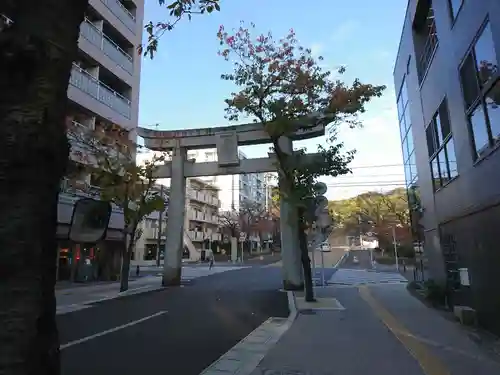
{"x": 354, "y": 277}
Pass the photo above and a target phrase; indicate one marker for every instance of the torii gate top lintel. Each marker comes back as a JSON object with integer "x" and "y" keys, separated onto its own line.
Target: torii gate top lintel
{"x": 245, "y": 135}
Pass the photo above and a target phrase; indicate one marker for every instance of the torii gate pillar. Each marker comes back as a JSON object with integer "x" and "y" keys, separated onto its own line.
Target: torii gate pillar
{"x": 290, "y": 252}
{"x": 172, "y": 266}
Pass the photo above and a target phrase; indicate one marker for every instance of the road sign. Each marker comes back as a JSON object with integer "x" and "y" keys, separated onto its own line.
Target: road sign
{"x": 320, "y": 188}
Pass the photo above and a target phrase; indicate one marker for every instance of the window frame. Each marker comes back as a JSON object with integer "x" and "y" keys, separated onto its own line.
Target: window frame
{"x": 443, "y": 109}
{"x": 402, "y": 116}
{"x": 426, "y": 55}
{"x": 480, "y": 99}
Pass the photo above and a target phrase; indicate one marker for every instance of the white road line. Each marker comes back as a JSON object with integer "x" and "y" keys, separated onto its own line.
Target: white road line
{"x": 130, "y": 324}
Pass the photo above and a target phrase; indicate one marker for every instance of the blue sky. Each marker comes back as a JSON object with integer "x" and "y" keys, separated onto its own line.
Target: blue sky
{"x": 181, "y": 87}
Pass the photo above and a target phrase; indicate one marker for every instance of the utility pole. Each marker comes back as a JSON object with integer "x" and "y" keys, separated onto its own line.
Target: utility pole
{"x": 232, "y": 193}
{"x": 360, "y": 233}
{"x": 395, "y": 246}
{"x": 160, "y": 222}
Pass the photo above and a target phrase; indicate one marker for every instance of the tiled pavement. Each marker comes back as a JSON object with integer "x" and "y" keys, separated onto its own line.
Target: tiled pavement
{"x": 372, "y": 327}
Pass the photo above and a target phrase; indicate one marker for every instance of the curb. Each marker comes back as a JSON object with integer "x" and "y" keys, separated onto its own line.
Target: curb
{"x": 245, "y": 356}
{"x": 337, "y": 265}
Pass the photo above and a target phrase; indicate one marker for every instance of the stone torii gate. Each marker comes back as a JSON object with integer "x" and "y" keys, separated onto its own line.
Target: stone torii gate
{"x": 226, "y": 140}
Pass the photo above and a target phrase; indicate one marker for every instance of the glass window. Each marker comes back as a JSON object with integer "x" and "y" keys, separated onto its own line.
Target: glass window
{"x": 407, "y": 117}
{"x": 479, "y": 129}
{"x": 451, "y": 159}
{"x": 436, "y": 178}
{"x": 443, "y": 168}
{"x": 404, "y": 94}
{"x": 412, "y": 161}
{"x": 409, "y": 140}
{"x": 444, "y": 121}
{"x": 407, "y": 173}
{"x": 492, "y": 102}
{"x": 485, "y": 53}
{"x": 400, "y": 107}
{"x": 439, "y": 132}
{"x": 431, "y": 139}
{"x": 402, "y": 129}
{"x": 469, "y": 81}
{"x": 404, "y": 146}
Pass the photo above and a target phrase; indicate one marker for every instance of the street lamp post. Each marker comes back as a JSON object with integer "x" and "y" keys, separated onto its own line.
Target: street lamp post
{"x": 395, "y": 244}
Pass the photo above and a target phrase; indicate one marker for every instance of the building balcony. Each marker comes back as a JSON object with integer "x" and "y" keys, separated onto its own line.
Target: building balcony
{"x": 200, "y": 216}
{"x": 203, "y": 198}
{"x": 197, "y": 236}
{"x": 91, "y": 86}
{"x": 152, "y": 234}
{"x": 107, "y": 46}
{"x": 122, "y": 13}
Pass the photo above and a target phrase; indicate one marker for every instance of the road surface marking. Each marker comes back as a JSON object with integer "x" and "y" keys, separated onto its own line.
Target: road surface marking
{"x": 130, "y": 324}
{"x": 430, "y": 364}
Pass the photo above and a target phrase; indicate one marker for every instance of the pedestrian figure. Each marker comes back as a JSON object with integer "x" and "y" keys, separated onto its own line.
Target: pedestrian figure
{"x": 137, "y": 270}
{"x": 211, "y": 260}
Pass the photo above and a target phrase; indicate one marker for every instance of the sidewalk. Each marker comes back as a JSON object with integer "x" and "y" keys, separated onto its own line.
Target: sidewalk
{"x": 375, "y": 329}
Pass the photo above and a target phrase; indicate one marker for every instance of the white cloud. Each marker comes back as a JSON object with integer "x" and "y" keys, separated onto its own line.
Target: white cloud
{"x": 316, "y": 49}
{"x": 344, "y": 30}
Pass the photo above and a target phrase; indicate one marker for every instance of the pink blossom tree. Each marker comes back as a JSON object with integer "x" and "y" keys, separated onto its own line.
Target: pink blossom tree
{"x": 284, "y": 87}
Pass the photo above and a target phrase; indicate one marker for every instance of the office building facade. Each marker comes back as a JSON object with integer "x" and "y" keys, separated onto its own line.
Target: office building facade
{"x": 448, "y": 93}
{"x": 103, "y": 95}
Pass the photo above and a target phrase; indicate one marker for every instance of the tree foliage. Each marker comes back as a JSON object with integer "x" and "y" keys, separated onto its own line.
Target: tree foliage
{"x": 121, "y": 181}
{"x": 372, "y": 212}
{"x": 178, "y": 10}
{"x": 229, "y": 222}
{"x": 283, "y": 87}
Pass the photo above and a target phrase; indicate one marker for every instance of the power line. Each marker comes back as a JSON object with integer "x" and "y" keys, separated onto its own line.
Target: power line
{"x": 374, "y": 184}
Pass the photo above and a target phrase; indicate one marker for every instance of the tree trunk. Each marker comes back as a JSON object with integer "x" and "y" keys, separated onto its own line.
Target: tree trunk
{"x": 36, "y": 53}
{"x": 128, "y": 244}
{"x": 304, "y": 257}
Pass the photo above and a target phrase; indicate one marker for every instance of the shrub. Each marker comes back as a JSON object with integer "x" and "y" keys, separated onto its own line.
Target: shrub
{"x": 434, "y": 293}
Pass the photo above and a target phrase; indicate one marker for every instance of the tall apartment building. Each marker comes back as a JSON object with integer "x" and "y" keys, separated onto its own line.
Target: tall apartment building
{"x": 235, "y": 189}
{"x": 103, "y": 96}
{"x": 447, "y": 79}
{"x": 251, "y": 187}
{"x": 202, "y": 215}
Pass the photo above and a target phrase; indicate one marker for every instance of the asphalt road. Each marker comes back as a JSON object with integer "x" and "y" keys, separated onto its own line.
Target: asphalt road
{"x": 188, "y": 328}
{"x": 364, "y": 260}
{"x": 251, "y": 262}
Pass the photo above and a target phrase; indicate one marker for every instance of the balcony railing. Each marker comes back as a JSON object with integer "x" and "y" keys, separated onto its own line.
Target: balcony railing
{"x": 79, "y": 188}
{"x": 197, "y": 236}
{"x": 105, "y": 44}
{"x": 200, "y": 216}
{"x": 123, "y": 14}
{"x": 83, "y": 80}
{"x": 202, "y": 197}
